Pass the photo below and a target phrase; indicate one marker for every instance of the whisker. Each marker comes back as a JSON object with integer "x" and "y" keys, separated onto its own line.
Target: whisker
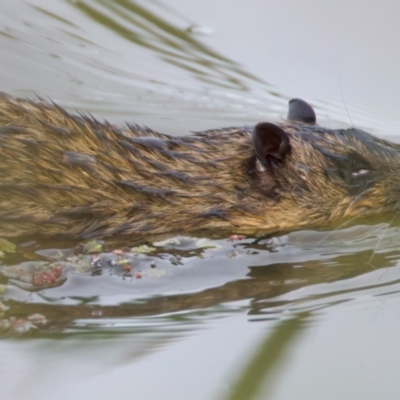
{"x": 369, "y": 262}
{"x": 327, "y": 236}
{"x": 344, "y": 102}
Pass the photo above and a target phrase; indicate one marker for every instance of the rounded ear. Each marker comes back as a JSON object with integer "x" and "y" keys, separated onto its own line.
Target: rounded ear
{"x": 301, "y": 111}
{"x": 270, "y": 142}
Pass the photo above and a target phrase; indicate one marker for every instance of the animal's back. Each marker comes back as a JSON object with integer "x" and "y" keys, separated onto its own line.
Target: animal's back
{"x": 72, "y": 175}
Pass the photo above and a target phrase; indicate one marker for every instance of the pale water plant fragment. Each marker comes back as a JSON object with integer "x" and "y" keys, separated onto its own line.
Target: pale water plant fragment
{"x": 53, "y": 254}
{"x": 143, "y": 249}
{"x": 6, "y": 246}
{"x": 204, "y": 243}
{"x": 37, "y": 319}
{"x": 94, "y": 246}
{"x": 172, "y": 242}
{"x": 186, "y": 243}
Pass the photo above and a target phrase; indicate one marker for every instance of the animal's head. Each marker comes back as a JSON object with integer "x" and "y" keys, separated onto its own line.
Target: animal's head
{"x": 328, "y": 173}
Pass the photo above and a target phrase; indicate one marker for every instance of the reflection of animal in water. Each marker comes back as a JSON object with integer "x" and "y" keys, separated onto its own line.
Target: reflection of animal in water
{"x": 62, "y": 174}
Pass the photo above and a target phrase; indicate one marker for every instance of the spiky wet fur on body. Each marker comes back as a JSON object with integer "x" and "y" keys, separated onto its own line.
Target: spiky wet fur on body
{"x": 68, "y": 175}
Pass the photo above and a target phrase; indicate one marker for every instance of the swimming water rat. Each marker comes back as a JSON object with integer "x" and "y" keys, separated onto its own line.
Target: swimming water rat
{"x": 76, "y": 177}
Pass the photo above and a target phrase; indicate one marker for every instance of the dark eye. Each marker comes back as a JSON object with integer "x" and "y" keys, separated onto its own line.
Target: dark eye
{"x": 359, "y": 180}
{"x": 355, "y": 172}
{"x": 360, "y": 172}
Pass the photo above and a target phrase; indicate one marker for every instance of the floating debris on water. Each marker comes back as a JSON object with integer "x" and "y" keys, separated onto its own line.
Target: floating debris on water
{"x": 143, "y": 249}
{"x": 6, "y": 246}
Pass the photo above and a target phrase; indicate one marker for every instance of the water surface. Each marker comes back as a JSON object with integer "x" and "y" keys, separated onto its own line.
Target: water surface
{"x": 310, "y": 314}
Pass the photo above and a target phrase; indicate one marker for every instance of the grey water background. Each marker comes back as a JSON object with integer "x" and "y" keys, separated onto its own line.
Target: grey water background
{"x": 299, "y": 315}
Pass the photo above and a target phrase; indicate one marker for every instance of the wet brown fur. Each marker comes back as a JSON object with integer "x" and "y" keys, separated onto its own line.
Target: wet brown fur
{"x": 70, "y": 175}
